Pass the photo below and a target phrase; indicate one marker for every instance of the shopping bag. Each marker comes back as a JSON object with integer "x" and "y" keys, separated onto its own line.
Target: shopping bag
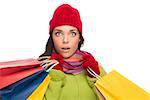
{"x": 9, "y": 67}
{"x": 23, "y": 88}
{"x": 115, "y": 86}
{"x": 40, "y": 91}
{"x": 13, "y": 71}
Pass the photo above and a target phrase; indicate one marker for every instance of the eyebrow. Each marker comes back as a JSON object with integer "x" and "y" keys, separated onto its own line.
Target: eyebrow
{"x": 74, "y": 30}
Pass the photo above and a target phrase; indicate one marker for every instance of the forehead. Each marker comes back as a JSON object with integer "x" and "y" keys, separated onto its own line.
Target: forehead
{"x": 65, "y": 28}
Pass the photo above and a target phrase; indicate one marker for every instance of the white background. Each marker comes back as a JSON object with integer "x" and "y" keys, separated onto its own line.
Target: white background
{"x": 116, "y": 32}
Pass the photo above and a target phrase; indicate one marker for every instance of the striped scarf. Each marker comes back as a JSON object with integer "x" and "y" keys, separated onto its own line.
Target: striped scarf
{"x": 72, "y": 64}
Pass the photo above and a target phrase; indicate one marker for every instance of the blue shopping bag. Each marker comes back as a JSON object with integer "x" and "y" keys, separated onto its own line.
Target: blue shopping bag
{"x": 23, "y": 88}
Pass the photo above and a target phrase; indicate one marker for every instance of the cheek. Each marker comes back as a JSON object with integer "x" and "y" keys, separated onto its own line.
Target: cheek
{"x": 57, "y": 42}
{"x": 75, "y": 43}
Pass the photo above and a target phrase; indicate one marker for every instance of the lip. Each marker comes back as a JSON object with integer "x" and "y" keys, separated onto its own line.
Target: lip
{"x": 65, "y": 49}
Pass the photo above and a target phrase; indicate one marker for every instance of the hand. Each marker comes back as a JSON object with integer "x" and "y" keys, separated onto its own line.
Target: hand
{"x": 59, "y": 59}
{"x": 89, "y": 61}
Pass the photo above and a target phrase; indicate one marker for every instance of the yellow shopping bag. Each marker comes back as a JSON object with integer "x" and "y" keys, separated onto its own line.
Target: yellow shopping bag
{"x": 40, "y": 91}
{"x": 114, "y": 86}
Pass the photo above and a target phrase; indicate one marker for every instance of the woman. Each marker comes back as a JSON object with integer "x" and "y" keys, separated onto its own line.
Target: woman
{"x": 69, "y": 78}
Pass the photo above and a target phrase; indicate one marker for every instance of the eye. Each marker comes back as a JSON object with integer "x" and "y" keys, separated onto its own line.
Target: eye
{"x": 58, "y": 34}
{"x": 73, "y": 34}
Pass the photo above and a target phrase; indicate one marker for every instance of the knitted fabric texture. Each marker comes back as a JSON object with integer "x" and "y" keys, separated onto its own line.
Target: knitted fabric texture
{"x": 66, "y": 15}
{"x": 75, "y": 64}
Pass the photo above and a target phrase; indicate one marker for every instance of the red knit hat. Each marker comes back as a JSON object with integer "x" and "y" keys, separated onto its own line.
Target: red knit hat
{"x": 66, "y": 15}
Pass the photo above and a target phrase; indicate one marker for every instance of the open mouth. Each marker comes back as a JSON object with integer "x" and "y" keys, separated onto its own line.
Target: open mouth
{"x": 65, "y": 48}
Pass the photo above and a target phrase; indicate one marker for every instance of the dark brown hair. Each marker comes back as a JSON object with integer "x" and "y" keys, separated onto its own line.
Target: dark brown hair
{"x": 50, "y": 45}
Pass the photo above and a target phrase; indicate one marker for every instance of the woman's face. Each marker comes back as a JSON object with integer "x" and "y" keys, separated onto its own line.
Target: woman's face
{"x": 66, "y": 39}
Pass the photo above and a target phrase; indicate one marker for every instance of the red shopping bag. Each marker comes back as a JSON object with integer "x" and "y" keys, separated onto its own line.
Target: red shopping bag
{"x": 17, "y": 65}
{"x": 20, "y": 90}
{"x": 13, "y": 71}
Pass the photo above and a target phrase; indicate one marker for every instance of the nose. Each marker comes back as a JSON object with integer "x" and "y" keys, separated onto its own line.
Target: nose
{"x": 65, "y": 39}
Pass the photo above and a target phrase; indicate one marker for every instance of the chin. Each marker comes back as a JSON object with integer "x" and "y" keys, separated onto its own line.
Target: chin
{"x": 67, "y": 55}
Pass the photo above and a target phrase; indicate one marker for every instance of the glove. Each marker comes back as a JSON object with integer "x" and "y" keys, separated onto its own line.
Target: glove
{"x": 59, "y": 58}
{"x": 89, "y": 61}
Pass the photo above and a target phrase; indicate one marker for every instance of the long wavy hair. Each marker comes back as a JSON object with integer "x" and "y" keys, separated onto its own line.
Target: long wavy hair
{"x": 50, "y": 45}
